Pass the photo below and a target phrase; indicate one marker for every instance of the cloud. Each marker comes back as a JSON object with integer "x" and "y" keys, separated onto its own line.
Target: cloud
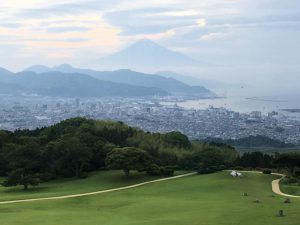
{"x": 53, "y": 11}
{"x": 213, "y": 36}
{"x": 10, "y": 25}
{"x": 151, "y": 20}
{"x": 66, "y": 8}
{"x": 76, "y": 40}
{"x": 64, "y": 29}
{"x": 180, "y": 13}
{"x": 201, "y": 22}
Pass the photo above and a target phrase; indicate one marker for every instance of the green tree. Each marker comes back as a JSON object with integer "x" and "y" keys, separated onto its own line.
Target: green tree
{"x": 21, "y": 177}
{"x": 256, "y": 159}
{"x": 24, "y": 163}
{"x": 291, "y": 161}
{"x": 177, "y": 139}
{"x": 127, "y": 159}
{"x": 5, "y": 137}
{"x": 68, "y": 157}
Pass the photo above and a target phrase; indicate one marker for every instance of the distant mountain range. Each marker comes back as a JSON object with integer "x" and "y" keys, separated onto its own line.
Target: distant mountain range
{"x": 146, "y": 55}
{"x": 67, "y": 81}
{"x": 4, "y": 72}
{"x": 128, "y": 77}
{"x": 59, "y": 84}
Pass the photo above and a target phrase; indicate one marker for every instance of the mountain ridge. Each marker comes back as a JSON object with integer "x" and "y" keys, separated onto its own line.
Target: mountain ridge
{"x": 57, "y": 84}
{"x": 130, "y": 77}
{"x": 147, "y": 55}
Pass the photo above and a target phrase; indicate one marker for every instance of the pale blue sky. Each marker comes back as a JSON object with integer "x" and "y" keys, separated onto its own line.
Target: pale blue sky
{"x": 258, "y": 38}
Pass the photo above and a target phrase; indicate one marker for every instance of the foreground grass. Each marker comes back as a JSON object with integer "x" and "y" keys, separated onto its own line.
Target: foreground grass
{"x": 207, "y": 199}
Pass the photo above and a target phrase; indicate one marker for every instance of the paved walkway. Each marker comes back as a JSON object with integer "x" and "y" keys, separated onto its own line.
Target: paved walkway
{"x": 97, "y": 192}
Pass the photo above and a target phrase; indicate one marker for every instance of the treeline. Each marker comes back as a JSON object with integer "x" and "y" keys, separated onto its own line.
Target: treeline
{"x": 290, "y": 162}
{"x": 253, "y": 142}
{"x": 77, "y": 146}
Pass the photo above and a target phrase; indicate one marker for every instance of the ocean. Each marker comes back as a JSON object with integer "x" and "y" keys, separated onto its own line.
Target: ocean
{"x": 246, "y": 100}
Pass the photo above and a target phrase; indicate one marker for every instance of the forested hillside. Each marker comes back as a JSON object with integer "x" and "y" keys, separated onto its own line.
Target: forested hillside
{"x": 253, "y": 142}
{"x": 77, "y": 146}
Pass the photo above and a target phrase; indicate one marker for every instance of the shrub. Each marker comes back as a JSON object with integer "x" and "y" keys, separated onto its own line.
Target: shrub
{"x": 222, "y": 167}
{"x": 210, "y": 169}
{"x": 280, "y": 213}
{"x": 45, "y": 177}
{"x": 153, "y": 170}
{"x": 204, "y": 171}
{"x": 83, "y": 175}
{"x": 167, "y": 171}
{"x": 290, "y": 180}
{"x": 257, "y": 201}
{"x": 297, "y": 171}
{"x": 240, "y": 168}
{"x": 267, "y": 171}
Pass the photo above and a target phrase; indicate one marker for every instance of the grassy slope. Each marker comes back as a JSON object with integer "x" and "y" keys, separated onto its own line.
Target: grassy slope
{"x": 209, "y": 200}
{"x": 95, "y": 182}
{"x": 289, "y": 189}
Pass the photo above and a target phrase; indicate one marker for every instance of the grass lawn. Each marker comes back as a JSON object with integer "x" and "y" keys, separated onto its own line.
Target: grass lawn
{"x": 215, "y": 199}
{"x": 290, "y": 189}
{"x": 95, "y": 182}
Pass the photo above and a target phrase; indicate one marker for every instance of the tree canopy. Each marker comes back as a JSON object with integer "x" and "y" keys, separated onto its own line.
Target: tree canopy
{"x": 128, "y": 158}
{"x": 75, "y": 147}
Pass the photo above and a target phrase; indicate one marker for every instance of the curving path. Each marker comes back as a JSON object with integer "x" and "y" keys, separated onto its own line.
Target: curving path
{"x": 275, "y": 189}
{"x": 96, "y": 192}
{"x": 275, "y": 184}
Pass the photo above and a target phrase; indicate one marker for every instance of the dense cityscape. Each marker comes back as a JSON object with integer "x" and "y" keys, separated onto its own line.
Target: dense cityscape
{"x": 150, "y": 115}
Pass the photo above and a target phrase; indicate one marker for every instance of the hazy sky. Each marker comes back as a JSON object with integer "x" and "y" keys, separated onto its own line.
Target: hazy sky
{"x": 245, "y": 34}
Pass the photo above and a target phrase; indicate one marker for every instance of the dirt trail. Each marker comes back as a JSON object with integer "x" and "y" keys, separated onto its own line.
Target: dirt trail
{"x": 275, "y": 184}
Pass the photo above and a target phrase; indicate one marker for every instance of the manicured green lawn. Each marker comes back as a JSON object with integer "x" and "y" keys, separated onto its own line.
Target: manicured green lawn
{"x": 290, "y": 189}
{"x": 215, "y": 199}
{"x": 95, "y": 182}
